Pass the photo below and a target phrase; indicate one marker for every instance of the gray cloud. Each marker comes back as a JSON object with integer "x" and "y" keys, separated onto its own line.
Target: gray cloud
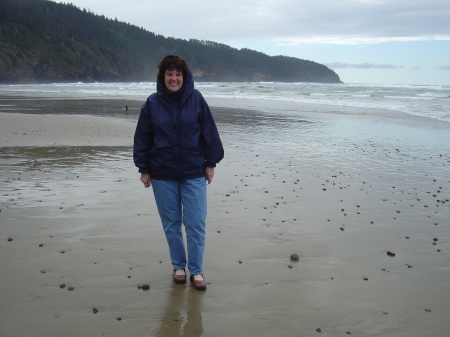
{"x": 445, "y": 67}
{"x": 285, "y": 21}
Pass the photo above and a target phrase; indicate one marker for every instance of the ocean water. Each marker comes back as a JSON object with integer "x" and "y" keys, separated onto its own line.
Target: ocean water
{"x": 426, "y": 101}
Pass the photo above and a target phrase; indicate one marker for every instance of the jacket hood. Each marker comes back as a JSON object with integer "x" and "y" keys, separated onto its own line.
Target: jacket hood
{"x": 183, "y": 94}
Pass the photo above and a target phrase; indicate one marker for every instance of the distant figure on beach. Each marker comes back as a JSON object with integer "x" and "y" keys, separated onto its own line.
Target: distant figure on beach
{"x": 176, "y": 148}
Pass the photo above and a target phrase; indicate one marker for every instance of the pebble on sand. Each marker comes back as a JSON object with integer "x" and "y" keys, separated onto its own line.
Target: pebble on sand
{"x": 388, "y": 253}
{"x": 295, "y": 258}
{"x": 10, "y": 239}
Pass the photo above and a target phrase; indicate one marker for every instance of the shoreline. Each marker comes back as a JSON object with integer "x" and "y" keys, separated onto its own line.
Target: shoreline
{"x": 338, "y": 189}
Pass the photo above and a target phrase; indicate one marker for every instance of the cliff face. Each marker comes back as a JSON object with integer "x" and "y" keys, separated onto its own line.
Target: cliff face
{"x": 42, "y": 41}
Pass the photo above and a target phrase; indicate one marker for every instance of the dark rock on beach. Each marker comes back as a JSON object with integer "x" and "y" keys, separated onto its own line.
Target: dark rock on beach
{"x": 295, "y": 258}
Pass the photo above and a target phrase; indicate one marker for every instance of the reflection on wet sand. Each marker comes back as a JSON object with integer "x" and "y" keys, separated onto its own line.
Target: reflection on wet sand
{"x": 183, "y": 313}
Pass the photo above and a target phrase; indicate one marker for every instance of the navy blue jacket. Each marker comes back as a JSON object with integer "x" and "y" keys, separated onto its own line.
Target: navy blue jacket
{"x": 176, "y": 136}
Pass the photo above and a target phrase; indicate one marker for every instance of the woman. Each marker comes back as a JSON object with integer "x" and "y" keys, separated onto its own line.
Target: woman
{"x": 176, "y": 147}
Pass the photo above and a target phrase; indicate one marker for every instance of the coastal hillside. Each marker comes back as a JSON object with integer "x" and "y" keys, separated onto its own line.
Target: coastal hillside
{"x": 42, "y": 41}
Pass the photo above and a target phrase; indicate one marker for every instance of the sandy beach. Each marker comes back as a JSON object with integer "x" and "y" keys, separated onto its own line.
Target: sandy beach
{"x": 361, "y": 196}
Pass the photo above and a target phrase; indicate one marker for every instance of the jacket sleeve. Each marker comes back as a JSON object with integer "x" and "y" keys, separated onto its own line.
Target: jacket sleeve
{"x": 210, "y": 139}
{"x": 143, "y": 140}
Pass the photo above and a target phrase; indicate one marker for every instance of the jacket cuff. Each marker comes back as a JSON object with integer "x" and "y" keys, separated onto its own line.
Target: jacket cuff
{"x": 210, "y": 164}
{"x": 144, "y": 170}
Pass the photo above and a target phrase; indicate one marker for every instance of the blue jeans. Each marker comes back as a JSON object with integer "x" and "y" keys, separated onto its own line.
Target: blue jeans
{"x": 181, "y": 203}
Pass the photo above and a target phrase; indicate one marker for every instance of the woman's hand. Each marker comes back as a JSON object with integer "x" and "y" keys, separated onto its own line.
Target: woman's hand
{"x": 145, "y": 178}
{"x": 209, "y": 174}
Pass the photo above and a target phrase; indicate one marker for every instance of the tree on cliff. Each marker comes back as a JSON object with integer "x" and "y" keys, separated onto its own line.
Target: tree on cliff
{"x": 43, "y": 41}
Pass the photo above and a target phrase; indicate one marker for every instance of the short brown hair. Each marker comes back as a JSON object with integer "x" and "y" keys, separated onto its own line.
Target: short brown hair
{"x": 171, "y": 62}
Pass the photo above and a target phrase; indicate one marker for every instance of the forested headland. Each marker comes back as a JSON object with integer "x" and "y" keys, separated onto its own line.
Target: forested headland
{"x": 42, "y": 41}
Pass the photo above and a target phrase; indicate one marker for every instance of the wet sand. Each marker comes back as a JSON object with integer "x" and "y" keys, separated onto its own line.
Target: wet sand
{"x": 339, "y": 188}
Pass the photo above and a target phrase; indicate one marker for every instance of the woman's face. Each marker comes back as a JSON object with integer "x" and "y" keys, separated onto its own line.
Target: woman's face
{"x": 173, "y": 79}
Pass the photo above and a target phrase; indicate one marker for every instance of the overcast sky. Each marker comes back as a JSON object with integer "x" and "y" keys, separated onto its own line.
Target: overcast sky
{"x": 364, "y": 41}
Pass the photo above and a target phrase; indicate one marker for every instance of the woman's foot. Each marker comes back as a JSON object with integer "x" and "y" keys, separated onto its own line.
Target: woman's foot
{"x": 179, "y": 276}
{"x": 198, "y": 282}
